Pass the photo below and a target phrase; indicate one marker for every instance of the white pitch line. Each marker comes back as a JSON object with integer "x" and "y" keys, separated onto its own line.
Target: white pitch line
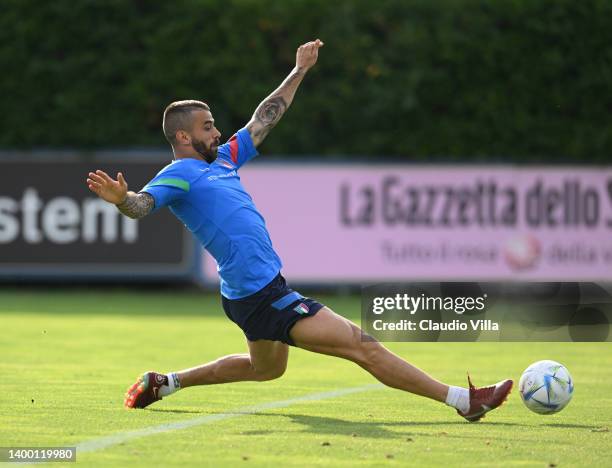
{"x": 101, "y": 443}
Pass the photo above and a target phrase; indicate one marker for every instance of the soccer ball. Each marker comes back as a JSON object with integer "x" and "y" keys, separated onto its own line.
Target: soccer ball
{"x": 546, "y": 387}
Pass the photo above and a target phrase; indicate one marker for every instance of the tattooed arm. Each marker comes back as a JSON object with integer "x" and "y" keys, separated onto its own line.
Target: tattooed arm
{"x": 134, "y": 205}
{"x": 271, "y": 109}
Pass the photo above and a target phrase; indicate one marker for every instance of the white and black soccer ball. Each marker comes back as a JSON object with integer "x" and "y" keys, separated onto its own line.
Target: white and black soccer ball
{"x": 546, "y": 387}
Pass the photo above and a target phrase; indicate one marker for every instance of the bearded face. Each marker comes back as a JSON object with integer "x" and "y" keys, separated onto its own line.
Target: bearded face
{"x": 197, "y": 136}
{"x": 208, "y": 152}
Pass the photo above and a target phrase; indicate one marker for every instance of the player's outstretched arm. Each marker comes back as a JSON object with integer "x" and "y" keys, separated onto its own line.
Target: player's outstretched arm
{"x": 133, "y": 205}
{"x": 271, "y": 109}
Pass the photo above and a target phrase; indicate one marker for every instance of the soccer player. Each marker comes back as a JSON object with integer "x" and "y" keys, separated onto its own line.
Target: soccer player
{"x": 201, "y": 186}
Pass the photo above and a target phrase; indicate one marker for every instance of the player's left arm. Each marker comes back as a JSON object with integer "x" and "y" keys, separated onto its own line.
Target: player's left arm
{"x": 133, "y": 205}
{"x": 271, "y": 109}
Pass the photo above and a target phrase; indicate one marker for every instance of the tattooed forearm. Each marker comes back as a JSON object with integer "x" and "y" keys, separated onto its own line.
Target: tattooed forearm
{"x": 267, "y": 115}
{"x": 269, "y": 112}
{"x": 136, "y": 205}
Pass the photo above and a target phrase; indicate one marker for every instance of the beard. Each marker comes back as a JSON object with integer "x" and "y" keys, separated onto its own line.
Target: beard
{"x": 209, "y": 153}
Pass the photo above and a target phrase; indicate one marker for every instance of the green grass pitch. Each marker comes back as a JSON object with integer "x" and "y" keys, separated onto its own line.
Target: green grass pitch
{"x": 66, "y": 358}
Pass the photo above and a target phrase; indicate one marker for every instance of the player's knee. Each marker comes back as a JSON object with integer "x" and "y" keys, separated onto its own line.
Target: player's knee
{"x": 261, "y": 375}
{"x": 366, "y": 352}
{"x": 373, "y": 352}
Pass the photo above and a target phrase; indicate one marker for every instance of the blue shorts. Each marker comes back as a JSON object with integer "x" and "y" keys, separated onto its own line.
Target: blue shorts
{"x": 271, "y": 312}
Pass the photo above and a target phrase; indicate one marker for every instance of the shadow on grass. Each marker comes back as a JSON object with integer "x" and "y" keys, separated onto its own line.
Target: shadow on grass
{"x": 571, "y": 426}
{"x": 379, "y": 429}
{"x": 374, "y": 429}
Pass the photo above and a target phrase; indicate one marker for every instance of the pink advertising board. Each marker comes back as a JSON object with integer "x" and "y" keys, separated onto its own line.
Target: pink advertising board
{"x": 351, "y": 223}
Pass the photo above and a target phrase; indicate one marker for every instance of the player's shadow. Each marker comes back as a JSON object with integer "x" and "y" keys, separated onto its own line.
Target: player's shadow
{"x": 374, "y": 429}
{"x": 572, "y": 426}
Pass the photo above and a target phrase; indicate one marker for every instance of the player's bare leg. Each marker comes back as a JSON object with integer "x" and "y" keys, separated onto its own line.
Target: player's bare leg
{"x": 329, "y": 333}
{"x": 266, "y": 360}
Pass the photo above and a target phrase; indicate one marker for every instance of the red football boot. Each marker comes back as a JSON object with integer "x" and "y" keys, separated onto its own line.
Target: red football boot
{"x": 145, "y": 391}
{"x": 485, "y": 399}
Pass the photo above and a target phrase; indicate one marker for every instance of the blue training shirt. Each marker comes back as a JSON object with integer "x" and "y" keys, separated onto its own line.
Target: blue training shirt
{"x": 212, "y": 203}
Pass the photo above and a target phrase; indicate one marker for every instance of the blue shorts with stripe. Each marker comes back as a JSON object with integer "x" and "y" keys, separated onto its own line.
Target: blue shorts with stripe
{"x": 270, "y": 313}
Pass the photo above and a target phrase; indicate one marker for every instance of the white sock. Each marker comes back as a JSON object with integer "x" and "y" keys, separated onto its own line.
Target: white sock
{"x": 173, "y": 385}
{"x": 459, "y": 398}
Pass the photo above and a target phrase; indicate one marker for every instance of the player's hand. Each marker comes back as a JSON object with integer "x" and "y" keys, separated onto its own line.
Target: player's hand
{"x": 112, "y": 191}
{"x": 307, "y": 54}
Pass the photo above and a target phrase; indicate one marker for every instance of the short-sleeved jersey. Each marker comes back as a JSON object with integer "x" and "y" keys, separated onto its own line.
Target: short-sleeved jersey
{"x": 212, "y": 203}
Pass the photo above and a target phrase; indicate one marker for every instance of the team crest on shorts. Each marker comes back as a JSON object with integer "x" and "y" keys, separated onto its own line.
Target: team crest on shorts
{"x": 301, "y": 308}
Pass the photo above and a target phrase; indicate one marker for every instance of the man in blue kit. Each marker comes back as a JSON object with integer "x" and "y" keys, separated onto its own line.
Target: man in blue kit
{"x": 202, "y": 188}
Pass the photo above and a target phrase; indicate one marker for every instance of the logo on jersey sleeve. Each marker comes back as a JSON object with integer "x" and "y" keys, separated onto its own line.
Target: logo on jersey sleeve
{"x": 225, "y": 163}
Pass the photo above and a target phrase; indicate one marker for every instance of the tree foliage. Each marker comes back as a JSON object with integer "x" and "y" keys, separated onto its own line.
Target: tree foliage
{"x": 454, "y": 79}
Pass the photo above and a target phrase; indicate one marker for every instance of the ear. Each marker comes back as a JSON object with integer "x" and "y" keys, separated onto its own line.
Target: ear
{"x": 182, "y": 137}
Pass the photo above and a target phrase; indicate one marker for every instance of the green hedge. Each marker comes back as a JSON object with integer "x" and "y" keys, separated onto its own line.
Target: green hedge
{"x": 454, "y": 79}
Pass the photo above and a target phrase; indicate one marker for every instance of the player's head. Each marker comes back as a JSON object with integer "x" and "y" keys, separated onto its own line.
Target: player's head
{"x": 189, "y": 124}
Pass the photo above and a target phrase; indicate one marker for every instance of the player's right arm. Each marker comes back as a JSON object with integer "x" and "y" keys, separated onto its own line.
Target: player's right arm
{"x": 272, "y": 108}
{"x": 133, "y": 205}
